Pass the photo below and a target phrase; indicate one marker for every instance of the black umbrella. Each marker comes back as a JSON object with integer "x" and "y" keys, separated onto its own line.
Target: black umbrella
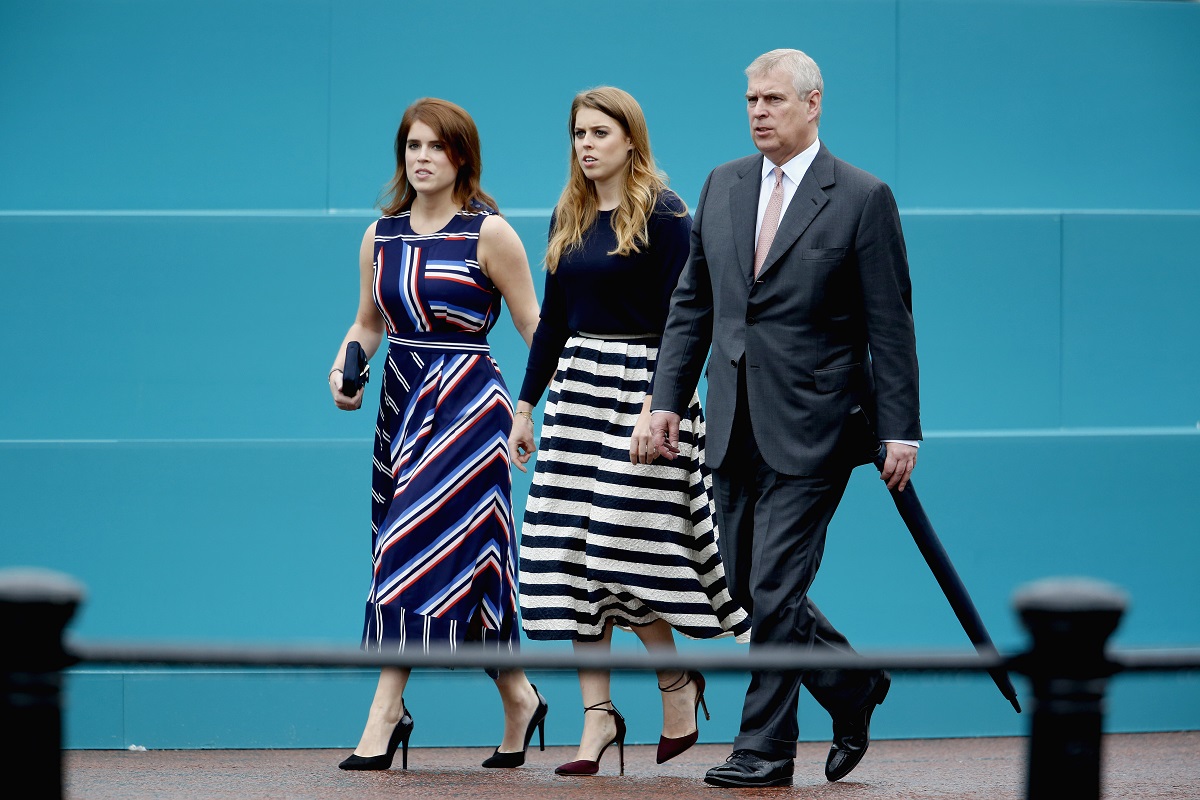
{"x": 938, "y": 560}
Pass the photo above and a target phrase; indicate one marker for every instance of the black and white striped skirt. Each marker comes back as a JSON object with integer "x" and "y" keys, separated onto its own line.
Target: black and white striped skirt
{"x": 604, "y": 539}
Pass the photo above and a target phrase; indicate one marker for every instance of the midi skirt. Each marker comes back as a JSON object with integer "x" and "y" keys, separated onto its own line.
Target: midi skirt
{"x": 604, "y": 539}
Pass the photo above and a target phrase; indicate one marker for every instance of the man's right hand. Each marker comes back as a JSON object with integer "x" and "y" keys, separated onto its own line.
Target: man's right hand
{"x": 664, "y": 427}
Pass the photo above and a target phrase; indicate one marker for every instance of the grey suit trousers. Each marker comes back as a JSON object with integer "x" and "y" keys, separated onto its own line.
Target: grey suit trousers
{"x": 772, "y": 537}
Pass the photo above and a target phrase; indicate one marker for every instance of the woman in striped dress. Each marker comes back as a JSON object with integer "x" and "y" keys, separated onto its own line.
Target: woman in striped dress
{"x": 611, "y": 535}
{"x": 433, "y": 272}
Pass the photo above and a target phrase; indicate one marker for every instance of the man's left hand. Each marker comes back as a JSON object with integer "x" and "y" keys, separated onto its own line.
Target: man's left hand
{"x": 898, "y": 466}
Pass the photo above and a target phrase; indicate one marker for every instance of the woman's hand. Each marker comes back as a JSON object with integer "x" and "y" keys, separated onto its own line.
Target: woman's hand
{"x": 521, "y": 442}
{"x": 368, "y": 327}
{"x": 641, "y": 444}
{"x": 340, "y": 400}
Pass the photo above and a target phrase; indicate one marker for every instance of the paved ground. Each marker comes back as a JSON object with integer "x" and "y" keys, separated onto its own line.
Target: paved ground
{"x": 1142, "y": 766}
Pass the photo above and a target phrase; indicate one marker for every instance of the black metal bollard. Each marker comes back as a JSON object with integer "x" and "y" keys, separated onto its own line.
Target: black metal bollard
{"x": 35, "y": 607}
{"x": 1070, "y": 621}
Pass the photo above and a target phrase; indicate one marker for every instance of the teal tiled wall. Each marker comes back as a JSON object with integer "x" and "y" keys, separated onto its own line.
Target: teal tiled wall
{"x": 183, "y": 187}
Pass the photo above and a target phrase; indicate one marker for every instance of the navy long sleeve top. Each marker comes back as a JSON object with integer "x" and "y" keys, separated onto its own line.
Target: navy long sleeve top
{"x": 594, "y": 292}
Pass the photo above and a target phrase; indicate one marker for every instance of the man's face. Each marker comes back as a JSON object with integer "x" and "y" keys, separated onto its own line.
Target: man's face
{"x": 781, "y": 122}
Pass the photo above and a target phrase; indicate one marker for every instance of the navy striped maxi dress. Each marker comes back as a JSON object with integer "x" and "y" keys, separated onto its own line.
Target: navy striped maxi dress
{"x": 443, "y": 565}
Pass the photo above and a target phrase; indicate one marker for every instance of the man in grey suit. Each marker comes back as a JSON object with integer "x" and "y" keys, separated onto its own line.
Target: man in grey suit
{"x": 798, "y": 283}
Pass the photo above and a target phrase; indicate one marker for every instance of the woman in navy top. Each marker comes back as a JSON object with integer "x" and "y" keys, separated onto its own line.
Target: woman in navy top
{"x": 612, "y": 535}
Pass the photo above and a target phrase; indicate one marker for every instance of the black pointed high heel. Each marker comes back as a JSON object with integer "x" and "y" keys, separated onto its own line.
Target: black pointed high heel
{"x": 585, "y": 767}
{"x": 668, "y": 747}
{"x": 536, "y": 722}
{"x": 400, "y": 734}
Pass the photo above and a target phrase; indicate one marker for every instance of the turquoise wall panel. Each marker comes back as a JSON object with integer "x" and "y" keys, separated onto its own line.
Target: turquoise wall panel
{"x": 1059, "y": 104}
{"x": 1131, "y": 331}
{"x": 93, "y": 701}
{"x": 144, "y": 104}
{"x": 525, "y": 62}
{"x": 309, "y": 708}
{"x": 1143, "y": 702}
{"x": 300, "y": 108}
{"x": 216, "y": 540}
{"x": 986, "y": 301}
{"x": 191, "y": 327}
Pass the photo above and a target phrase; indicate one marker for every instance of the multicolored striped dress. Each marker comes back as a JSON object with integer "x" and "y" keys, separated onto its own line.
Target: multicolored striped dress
{"x": 443, "y": 566}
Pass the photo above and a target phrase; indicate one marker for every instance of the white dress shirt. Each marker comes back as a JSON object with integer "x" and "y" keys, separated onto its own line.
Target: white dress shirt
{"x": 793, "y": 173}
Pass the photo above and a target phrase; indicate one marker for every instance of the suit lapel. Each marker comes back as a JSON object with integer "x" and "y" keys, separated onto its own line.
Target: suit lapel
{"x": 808, "y": 201}
{"x": 743, "y": 204}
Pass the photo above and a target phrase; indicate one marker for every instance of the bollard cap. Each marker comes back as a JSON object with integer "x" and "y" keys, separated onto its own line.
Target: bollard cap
{"x": 1070, "y": 594}
{"x": 37, "y": 585}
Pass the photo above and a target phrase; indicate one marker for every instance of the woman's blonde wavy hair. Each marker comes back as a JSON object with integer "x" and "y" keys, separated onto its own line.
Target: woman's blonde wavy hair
{"x": 579, "y": 204}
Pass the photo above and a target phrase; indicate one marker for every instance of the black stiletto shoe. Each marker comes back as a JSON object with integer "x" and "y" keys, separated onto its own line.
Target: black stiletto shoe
{"x": 399, "y": 737}
{"x": 668, "y": 748}
{"x": 536, "y": 722}
{"x": 585, "y": 767}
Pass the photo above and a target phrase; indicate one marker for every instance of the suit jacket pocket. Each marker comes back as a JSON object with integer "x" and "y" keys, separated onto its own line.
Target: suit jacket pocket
{"x": 824, "y": 254}
{"x": 835, "y": 378}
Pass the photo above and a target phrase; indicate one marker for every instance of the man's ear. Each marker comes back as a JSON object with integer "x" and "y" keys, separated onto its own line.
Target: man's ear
{"x": 814, "y": 104}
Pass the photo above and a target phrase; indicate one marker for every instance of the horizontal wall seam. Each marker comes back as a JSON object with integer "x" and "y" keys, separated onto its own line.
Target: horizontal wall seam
{"x": 365, "y": 213}
{"x": 978, "y": 433}
{"x": 538, "y": 213}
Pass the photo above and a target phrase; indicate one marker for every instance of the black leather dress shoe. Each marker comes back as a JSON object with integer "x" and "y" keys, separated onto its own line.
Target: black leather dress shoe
{"x": 852, "y": 734}
{"x": 746, "y": 769}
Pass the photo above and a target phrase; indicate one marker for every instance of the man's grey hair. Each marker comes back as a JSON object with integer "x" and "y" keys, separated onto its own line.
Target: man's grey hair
{"x": 806, "y": 75}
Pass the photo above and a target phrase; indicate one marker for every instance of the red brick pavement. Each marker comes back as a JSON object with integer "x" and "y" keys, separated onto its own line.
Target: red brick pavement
{"x": 1151, "y": 766}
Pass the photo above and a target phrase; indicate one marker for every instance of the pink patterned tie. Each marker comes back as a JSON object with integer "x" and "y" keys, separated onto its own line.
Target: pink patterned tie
{"x": 770, "y": 222}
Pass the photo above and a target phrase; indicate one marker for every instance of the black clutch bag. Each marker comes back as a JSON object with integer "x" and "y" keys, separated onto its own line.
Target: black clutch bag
{"x": 357, "y": 371}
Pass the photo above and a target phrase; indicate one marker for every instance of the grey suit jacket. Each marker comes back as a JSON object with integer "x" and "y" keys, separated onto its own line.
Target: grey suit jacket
{"x": 827, "y": 324}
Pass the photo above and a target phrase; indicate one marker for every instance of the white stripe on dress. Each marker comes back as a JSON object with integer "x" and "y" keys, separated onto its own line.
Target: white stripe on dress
{"x": 602, "y": 537}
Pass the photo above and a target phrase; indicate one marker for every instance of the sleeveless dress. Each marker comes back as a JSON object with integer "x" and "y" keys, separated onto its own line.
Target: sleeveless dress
{"x": 443, "y": 566}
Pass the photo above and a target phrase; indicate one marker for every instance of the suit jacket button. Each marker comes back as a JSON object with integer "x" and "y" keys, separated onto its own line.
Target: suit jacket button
{"x": 750, "y": 320}
{"x": 732, "y": 363}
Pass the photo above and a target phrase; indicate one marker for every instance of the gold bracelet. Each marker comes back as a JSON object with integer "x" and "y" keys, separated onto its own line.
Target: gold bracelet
{"x": 528, "y": 414}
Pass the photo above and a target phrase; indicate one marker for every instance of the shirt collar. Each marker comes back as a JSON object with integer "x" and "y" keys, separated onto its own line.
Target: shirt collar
{"x": 797, "y": 166}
